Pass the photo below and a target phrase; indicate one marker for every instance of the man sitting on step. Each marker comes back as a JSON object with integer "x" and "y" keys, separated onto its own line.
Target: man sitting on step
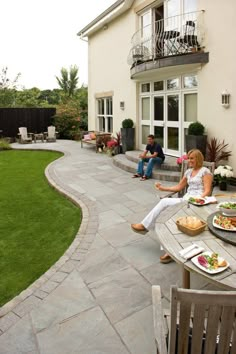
{"x": 152, "y": 154}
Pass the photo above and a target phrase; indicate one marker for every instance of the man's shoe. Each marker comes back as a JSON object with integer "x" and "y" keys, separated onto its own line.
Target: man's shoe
{"x": 144, "y": 178}
{"x": 136, "y": 175}
{"x": 139, "y": 228}
{"x": 166, "y": 258}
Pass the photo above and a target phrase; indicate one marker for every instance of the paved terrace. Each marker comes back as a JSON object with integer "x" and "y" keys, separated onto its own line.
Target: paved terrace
{"x": 97, "y": 298}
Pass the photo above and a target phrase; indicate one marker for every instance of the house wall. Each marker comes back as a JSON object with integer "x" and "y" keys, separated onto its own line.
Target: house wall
{"x": 219, "y": 74}
{"x": 109, "y": 70}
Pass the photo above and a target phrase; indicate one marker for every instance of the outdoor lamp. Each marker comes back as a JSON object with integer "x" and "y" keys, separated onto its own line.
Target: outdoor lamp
{"x": 225, "y": 99}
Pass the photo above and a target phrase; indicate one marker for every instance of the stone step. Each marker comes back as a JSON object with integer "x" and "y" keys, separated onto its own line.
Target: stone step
{"x": 162, "y": 174}
{"x": 169, "y": 164}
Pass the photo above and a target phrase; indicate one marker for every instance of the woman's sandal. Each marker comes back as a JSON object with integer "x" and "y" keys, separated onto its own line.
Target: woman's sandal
{"x": 136, "y": 175}
{"x": 144, "y": 178}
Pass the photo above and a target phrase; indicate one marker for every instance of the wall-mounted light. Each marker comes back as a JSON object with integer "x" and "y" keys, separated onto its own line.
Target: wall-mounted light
{"x": 225, "y": 96}
{"x": 122, "y": 105}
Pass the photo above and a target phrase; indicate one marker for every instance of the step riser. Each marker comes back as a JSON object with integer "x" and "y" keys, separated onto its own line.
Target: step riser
{"x": 165, "y": 166}
{"x": 155, "y": 174}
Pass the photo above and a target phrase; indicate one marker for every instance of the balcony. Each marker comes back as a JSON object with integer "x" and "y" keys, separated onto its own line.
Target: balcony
{"x": 176, "y": 40}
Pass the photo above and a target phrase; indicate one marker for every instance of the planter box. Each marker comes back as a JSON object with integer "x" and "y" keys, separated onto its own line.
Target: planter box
{"x": 127, "y": 139}
{"x": 196, "y": 142}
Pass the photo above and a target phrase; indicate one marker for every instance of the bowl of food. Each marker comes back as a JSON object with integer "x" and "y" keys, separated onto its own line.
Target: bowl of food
{"x": 227, "y": 208}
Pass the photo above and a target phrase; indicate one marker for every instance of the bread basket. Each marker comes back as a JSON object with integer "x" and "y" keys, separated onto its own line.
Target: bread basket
{"x": 189, "y": 230}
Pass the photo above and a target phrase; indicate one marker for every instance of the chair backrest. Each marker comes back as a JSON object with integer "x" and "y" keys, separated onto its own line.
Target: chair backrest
{"x": 201, "y": 322}
{"x": 23, "y": 133}
{"x": 209, "y": 165}
{"x": 202, "y": 319}
{"x": 51, "y": 131}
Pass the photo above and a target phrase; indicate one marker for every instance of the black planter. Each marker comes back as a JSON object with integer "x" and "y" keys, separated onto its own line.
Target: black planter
{"x": 127, "y": 139}
{"x": 196, "y": 142}
{"x": 223, "y": 185}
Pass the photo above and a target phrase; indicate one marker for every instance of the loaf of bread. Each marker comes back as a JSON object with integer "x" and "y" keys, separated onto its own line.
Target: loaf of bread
{"x": 191, "y": 222}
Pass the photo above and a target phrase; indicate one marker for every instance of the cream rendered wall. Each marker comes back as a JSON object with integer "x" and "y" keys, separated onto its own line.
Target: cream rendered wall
{"x": 109, "y": 70}
{"x": 220, "y": 73}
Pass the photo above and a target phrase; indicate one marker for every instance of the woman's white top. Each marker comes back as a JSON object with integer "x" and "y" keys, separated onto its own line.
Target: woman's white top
{"x": 195, "y": 183}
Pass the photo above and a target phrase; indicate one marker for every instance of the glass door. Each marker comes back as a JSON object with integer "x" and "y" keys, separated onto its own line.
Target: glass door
{"x": 166, "y": 122}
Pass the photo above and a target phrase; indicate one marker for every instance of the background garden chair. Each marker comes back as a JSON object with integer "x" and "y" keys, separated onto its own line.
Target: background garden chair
{"x": 24, "y": 136}
{"x": 184, "y": 167}
{"x": 200, "y": 322}
{"x": 50, "y": 135}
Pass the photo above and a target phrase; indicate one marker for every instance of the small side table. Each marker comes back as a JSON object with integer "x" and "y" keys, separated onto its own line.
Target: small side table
{"x": 39, "y": 136}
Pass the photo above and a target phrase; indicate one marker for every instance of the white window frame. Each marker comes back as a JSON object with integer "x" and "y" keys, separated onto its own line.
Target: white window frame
{"x": 106, "y": 115}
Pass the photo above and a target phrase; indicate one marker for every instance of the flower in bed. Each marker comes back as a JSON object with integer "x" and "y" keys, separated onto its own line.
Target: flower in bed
{"x": 223, "y": 173}
{"x": 180, "y": 159}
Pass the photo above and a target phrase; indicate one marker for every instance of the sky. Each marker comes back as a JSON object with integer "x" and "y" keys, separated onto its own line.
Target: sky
{"x": 38, "y": 38}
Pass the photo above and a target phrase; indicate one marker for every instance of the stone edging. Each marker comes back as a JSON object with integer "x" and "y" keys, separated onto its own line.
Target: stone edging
{"x": 31, "y": 297}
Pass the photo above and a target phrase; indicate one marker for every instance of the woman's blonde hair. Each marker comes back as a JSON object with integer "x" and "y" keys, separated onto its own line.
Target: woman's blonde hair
{"x": 198, "y": 155}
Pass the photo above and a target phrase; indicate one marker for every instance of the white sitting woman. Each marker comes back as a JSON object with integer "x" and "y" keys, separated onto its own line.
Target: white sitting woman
{"x": 199, "y": 181}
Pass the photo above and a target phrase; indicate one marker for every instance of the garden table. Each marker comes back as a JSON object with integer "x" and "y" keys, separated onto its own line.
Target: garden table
{"x": 173, "y": 241}
{"x": 39, "y": 136}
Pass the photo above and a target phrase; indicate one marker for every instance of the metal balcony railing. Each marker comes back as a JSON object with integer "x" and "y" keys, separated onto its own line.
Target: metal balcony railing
{"x": 175, "y": 35}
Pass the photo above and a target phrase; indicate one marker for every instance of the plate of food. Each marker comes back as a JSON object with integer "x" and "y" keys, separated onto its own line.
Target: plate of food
{"x": 225, "y": 223}
{"x": 197, "y": 201}
{"x": 227, "y": 208}
{"x": 210, "y": 262}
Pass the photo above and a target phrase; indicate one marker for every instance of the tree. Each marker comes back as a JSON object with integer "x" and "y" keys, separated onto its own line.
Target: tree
{"x": 69, "y": 80}
{"x": 5, "y": 82}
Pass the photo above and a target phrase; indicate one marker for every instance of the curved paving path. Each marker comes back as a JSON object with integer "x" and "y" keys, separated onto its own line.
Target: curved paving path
{"x": 97, "y": 298}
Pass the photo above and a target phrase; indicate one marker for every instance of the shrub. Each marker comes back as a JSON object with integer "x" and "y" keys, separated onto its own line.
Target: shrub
{"x": 4, "y": 145}
{"x": 127, "y": 123}
{"x": 196, "y": 128}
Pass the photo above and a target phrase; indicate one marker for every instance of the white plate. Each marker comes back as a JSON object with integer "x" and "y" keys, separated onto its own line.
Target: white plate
{"x": 220, "y": 227}
{"x": 207, "y": 270}
{"x": 194, "y": 203}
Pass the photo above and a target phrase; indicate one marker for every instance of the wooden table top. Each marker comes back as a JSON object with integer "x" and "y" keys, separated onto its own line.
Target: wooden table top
{"x": 173, "y": 240}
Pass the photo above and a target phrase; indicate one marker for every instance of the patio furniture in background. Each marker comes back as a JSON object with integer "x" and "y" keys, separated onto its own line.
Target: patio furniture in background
{"x": 38, "y": 136}
{"x": 50, "y": 135}
{"x": 97, "y": 139}
{"x": 24, "y": 136}
{"x": 199, "y": 321}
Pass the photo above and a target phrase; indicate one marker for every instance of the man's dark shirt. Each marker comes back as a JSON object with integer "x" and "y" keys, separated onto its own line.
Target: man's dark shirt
{"x": 156, "y": 148}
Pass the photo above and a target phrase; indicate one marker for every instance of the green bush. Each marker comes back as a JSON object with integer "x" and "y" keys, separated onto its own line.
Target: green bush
{"x": 4, "y": 145}
{"x": 127, "y": 123}
{"x": 196, "y": 128}
{"x": 67, "y": 120}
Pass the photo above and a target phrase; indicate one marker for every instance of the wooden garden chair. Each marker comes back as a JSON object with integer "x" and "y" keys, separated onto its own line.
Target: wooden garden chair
{"x": 50, "y": 135}
{"x": 200, "y": 322}
{"x": 24, "y": 136}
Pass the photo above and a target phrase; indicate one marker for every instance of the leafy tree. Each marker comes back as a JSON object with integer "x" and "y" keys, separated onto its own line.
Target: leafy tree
{"x": 69, "y": 80}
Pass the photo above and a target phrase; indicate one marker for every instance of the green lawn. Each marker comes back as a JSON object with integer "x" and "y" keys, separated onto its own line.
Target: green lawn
{"x": 37, "y": 224}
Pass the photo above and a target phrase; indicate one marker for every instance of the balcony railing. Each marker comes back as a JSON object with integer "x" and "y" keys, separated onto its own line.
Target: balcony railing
{"x": 175, "y": 35}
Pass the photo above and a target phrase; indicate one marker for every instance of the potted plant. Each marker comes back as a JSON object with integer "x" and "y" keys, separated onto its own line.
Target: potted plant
{"x": 216, "y": 151}
{"x": 222, "y": 175}
{"x": 127, "y": 135}
{"x": 195, "y": 139}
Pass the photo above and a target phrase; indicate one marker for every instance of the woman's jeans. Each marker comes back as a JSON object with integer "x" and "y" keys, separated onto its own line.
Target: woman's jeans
{"x": 149, "y": 221}
{"x": 150, "y": 165}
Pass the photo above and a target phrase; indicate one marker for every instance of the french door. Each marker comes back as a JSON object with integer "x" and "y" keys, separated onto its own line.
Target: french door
{"x": 166, "y": 122}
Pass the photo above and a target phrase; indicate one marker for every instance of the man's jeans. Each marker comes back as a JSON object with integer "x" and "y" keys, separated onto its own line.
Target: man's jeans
{"x": 150, "y": 165}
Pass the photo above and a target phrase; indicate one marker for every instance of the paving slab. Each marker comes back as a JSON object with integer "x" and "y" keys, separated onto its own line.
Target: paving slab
{"x": 96, "y": 299}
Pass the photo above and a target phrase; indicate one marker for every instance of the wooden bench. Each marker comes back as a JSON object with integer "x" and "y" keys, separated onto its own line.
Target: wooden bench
{"x": 99, "y": 140}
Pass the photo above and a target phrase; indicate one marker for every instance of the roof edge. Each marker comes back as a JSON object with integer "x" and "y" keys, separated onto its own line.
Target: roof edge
{"x": 106, "y": 16}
